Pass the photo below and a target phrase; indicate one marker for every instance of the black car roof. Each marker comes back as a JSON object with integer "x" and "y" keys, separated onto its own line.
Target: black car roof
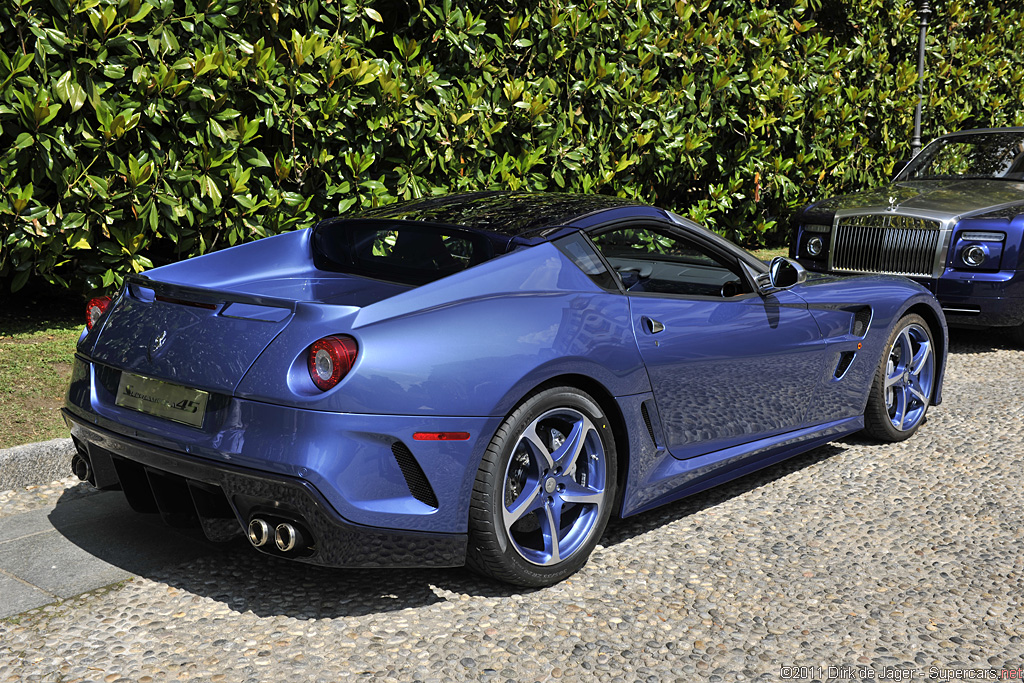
{"x": 515, "y": 214}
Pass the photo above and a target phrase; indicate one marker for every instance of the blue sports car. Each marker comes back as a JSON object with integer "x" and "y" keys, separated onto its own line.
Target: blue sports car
{"x": 480, "y": 379}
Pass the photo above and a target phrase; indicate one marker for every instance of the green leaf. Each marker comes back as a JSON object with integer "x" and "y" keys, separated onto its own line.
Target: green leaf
{"x": 254, "y": 157}
{"x": 80, "y": 242}
{"x": 144, "y": 9}
{"x": 218, "y": 131}
{"x": 61, "y": 86}
{"x": 76, "y": 96}
{"x": 72, "y": 220}
{"x": 46, "y": 114}
{"x": 209, "y": 188}
{"x": 19, "y": 280}
{"x": 99, "y": 185}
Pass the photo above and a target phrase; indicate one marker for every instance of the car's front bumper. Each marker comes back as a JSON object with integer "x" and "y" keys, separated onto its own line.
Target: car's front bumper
{"x": 968, "y": 299}
{"x": 222, "y": 499}
{"x": 981, "y": 299}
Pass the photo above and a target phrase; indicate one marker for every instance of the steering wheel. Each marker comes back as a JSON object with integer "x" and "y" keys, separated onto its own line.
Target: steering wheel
{"x": 643, "y": 271}
{"x": 731, "y": 288}
{"x": 631, "y": 274}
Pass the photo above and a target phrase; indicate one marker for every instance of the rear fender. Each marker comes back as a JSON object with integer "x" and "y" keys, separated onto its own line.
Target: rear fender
{"x": 471, "y": 344}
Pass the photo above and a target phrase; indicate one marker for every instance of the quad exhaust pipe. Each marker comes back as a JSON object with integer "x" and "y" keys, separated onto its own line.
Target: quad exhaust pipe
{"x": 80, "y": 467}
{"x": 286, "y": 536}
{"x": 259, "y": 532}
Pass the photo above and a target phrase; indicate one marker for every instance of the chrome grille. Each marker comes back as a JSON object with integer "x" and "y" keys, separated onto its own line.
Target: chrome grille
{"x": 899, "y": 245}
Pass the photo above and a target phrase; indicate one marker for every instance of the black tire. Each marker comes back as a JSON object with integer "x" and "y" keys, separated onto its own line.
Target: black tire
{"x": 884, "y": 418}
{"x": 515, "y": 546}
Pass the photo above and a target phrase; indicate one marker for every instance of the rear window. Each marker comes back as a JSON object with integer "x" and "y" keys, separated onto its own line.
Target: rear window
{"x": 397, "y": 251}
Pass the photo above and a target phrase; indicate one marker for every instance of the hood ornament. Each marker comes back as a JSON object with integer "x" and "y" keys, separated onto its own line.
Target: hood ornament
{"x": 893, "y": 203}
{"x": 155, "y": 346}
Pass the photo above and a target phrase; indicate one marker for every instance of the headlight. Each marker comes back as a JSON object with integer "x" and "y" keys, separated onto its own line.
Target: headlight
{"x": 814, "y": 246}
{"x": 983, "y": 236}
{"x": 978, "y": 249}
{"x": 973, "y": 255}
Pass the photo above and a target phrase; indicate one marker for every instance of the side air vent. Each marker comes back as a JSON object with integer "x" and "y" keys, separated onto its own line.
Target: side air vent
{"x": 845, "y": 358}
{"x": 861, "y": 321}
{"x": 647, "y": 421}
{"x": 415, "y": 479}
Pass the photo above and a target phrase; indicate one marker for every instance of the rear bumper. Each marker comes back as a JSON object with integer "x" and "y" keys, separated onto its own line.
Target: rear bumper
{"x": 222, "y": 499}
{"x": 369, "y": 468}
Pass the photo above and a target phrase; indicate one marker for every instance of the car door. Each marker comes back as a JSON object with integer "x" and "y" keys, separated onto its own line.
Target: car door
{"x": 727, "y": 365}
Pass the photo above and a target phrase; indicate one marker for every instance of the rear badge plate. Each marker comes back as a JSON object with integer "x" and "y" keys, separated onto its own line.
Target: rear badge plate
{"x": 162, "y": 399}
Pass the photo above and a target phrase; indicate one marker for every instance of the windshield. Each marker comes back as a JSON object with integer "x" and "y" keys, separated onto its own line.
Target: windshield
{"x": 979, "y": 155}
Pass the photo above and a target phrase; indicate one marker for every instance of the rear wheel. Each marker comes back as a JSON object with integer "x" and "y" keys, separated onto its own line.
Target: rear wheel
{"x": 544, "y": 490}
{"x": 903, "y": 383}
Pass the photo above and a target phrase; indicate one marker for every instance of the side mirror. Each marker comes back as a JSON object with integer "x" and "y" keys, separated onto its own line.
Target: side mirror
{"x": 782, "y": 274}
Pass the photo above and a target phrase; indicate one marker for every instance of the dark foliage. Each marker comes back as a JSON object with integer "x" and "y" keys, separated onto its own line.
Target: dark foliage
{"x": 134, "y": 132}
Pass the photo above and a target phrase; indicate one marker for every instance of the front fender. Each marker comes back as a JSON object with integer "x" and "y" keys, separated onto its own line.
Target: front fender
{"x": 832, "y": 300}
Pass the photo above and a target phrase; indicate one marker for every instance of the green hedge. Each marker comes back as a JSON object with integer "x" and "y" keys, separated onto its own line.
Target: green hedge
{"x": 135, "y": 132}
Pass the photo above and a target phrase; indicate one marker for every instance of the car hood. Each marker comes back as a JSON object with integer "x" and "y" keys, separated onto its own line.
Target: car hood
{"x": 940, "y": 199}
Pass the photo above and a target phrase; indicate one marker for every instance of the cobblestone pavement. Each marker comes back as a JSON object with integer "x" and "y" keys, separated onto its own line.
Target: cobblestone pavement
{"x": 898, "y": 558}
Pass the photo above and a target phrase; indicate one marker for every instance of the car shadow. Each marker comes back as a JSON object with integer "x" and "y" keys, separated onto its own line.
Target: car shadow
{"x": 620, "y": 530}
{"x": 242, "y": 579}
{"x": 111, "y": 534}
{"x": 967, "y": 340}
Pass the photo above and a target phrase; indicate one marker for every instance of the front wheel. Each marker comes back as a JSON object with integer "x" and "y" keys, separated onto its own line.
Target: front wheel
{"x": 904, "y": 382}
{"x": 544, "y": 490}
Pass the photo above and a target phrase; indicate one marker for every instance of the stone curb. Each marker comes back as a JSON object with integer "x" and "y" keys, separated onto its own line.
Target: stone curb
{"x": 35, "y": 464}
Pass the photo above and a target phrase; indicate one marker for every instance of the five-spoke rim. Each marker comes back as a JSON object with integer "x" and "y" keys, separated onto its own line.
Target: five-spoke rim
{"x": 909, "y": 376}
{"x": 554, "y": 489}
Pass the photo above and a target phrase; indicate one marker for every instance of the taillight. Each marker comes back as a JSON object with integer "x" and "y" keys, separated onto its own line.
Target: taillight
{"x": 95, "y": 309}
{"x": 330, "y": 359}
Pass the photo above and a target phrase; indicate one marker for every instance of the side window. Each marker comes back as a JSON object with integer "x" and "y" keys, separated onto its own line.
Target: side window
{"x": 659, "y": 262}
{"x": 581, "y": 252}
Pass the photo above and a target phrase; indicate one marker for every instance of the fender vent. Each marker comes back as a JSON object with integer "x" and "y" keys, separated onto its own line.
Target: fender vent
{"x": 415, "y": 479}
{"x": 647, "y": 421}
{"x": 861, "y": 321}
{"x": 845, "y": 358}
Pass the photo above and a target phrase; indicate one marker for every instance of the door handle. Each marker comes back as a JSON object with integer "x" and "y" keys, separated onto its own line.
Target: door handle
{"x": 653, "y": 326}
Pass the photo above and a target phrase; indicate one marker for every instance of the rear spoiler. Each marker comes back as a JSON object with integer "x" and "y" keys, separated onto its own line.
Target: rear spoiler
{"x": 145, "y": 288}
